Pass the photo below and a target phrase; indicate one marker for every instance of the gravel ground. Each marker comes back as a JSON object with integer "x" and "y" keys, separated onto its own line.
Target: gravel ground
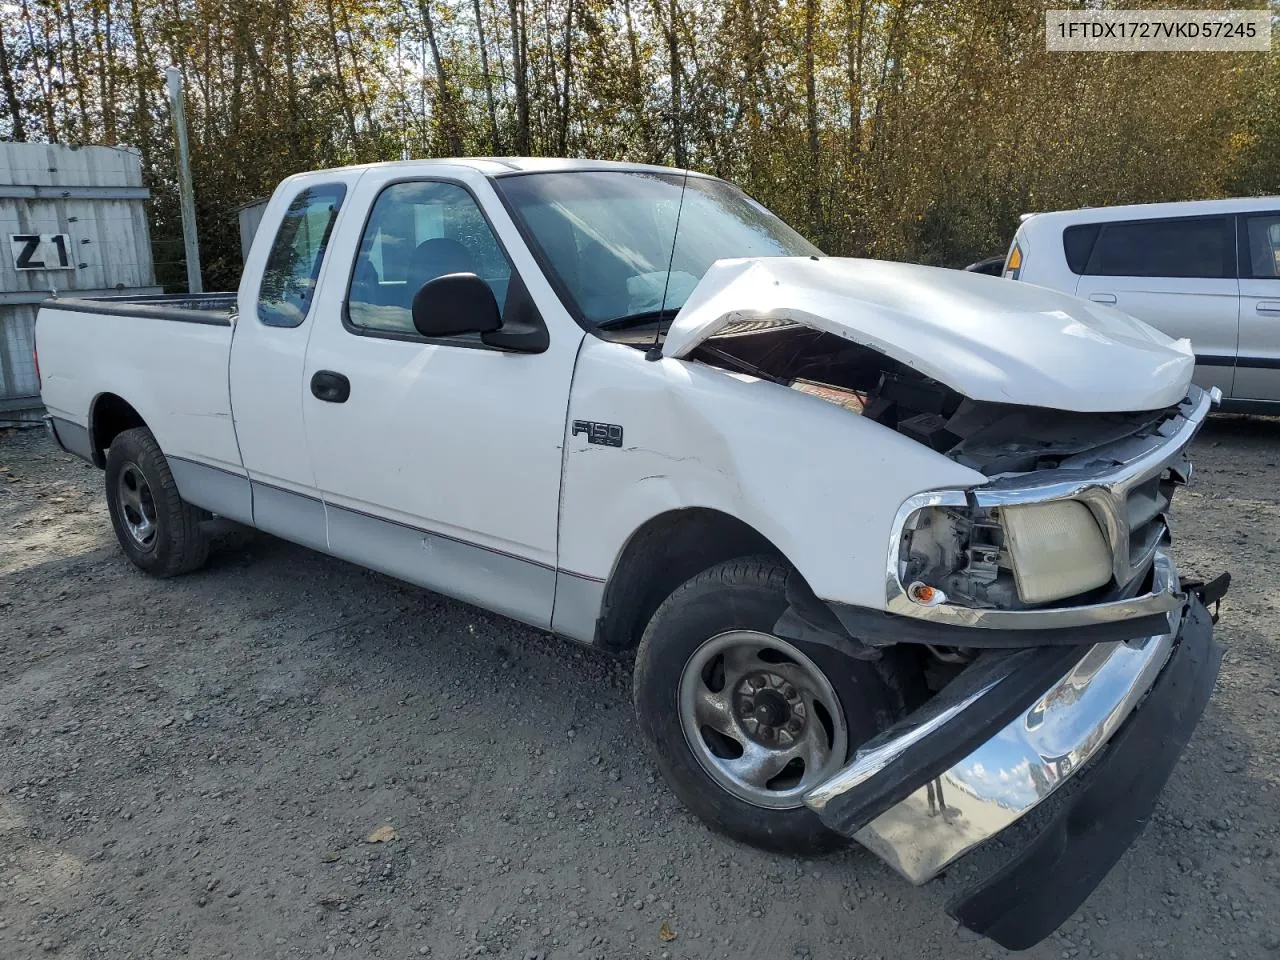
{"x": 197, "y": 767}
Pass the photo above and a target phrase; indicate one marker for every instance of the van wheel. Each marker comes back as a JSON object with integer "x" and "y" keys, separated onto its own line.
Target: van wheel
{"x": 159, "y": 531}
{"x": 743, "y": 723}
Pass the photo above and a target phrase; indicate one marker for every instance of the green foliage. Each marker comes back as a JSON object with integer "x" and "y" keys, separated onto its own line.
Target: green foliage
{"x": 913, "y": 129}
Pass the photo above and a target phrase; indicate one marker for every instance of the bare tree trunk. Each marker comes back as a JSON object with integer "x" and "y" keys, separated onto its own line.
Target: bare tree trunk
{"x": 444, "y": 93}
{"x": 568, "y": 81}
{"x": 237, "y": 82}
{"x": 653, "y": 151}
{"x": 855, "y": 31}
{"x": 77, "y": 74}
{"x": 519, "y": 49}
{"x": 19, "y": 131}
{"x": 811, "y": 111}
{"x": 50, "y": 119}
{"x": 890, "y": 65}
{"x": 549, "y": 121}
{"x": 107, "y": 60}
{"x": 677, "y": 75}
{"x": 636, "y": 72}
{"x": 141, "y": 106}
{"x": 356, "y": 73}
{"x": 494, "y": 147}
{"x": 285, "y": 12}
{"x": 347, "y": 111}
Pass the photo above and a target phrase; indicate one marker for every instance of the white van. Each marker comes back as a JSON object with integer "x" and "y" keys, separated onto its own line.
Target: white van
{"x": 1207, "y": 270}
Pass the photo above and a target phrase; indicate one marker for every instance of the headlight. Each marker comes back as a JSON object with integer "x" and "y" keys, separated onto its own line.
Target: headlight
{"x": 1057, "y": 550}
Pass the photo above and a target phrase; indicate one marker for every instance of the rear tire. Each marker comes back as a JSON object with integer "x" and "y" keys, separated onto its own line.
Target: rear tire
{"x": 793, "y": 713}
{"x": 158, "y": 530}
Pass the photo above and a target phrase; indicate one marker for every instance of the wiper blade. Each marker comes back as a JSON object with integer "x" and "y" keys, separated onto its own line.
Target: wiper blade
{"x": 637, "y": 319}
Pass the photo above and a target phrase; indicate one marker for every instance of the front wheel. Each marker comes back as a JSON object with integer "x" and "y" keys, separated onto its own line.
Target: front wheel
{"x": 743, "y": 723}
{"x": 158, "y": 530}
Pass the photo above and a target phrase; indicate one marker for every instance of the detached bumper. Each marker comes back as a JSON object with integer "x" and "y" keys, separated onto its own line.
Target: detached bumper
{"x": 980, "y": 757}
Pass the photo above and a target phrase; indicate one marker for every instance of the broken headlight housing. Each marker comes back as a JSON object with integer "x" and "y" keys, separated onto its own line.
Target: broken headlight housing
{"x": 1011, "y": 557}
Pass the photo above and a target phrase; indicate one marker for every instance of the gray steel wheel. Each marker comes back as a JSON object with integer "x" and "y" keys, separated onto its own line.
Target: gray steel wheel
{"x": 761, "y": 718}
{"x": 137, "y": 505}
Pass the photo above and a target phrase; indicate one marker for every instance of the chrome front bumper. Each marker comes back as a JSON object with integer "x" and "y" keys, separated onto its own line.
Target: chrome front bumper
{"x": 1005, "y": 777}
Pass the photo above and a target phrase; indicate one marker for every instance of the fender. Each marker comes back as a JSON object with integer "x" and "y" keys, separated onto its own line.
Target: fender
{"x": 818, "y": 482}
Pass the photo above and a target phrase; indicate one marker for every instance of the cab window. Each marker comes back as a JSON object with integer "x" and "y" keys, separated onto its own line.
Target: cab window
{"x": 293, "y": 265}
{"x": 419, "y": 231}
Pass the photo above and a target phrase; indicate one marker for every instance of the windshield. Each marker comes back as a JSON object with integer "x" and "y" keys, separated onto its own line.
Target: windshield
{"x": 611, "y": 237}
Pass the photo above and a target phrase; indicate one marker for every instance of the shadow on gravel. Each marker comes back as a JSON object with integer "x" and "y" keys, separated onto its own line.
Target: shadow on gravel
{"x": 1238, "y": 427}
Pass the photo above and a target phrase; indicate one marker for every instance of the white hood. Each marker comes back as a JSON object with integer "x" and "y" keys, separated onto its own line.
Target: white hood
{"x": 987, "y": 338}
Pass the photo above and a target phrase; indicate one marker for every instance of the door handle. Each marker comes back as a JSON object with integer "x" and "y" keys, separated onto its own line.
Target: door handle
{"x": 1102, "y": 297}
{"x": 330, "y": 387}
{"x": 1268, "y": 306}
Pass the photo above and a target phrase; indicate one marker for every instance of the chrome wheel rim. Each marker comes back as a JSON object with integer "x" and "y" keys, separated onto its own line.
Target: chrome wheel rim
{"x": 137, "y": 505}
{"x": 761, "y": 718}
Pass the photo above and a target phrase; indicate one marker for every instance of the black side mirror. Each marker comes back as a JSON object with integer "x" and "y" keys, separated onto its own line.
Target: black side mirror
{"x": 453, "y": 304}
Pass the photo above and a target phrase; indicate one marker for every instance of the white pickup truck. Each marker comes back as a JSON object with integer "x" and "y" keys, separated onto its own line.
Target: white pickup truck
{"x": 888, "y": 543}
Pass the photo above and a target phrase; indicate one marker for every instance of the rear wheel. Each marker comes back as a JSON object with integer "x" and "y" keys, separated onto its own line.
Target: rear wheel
{"x": 158, "y": 530}
{"x": 743, "y": 723}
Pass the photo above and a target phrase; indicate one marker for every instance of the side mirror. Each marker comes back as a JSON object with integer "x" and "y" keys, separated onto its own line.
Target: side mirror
{"x": 453, "y": 304}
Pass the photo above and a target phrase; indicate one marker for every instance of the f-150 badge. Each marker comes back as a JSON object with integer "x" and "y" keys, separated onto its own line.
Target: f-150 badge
{"x": 609, "y": 434}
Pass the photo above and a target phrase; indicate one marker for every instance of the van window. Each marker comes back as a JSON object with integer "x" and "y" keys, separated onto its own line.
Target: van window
{"x": 289, "y": 279}
{"x": 1077, "y": 243}
{"x": 1199, "y": 247}
{"x": 1262, "y": 234}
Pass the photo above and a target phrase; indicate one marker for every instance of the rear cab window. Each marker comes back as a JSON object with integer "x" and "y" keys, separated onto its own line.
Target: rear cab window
{"x": 297, "y": 253}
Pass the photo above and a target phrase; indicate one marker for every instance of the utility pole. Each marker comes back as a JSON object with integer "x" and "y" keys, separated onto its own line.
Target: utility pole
{"x": 186, "y": 195}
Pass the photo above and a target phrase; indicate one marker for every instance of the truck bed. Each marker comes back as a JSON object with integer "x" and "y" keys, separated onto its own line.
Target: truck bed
{"x": 166, "y": 357}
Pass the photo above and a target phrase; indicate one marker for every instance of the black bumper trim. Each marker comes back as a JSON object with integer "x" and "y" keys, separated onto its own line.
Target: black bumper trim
{"x": 1033, "y": 894}
{"x": 879, "y": 628}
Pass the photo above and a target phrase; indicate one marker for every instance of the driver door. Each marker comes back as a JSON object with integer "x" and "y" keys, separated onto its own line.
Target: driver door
{"x": 438, "y": 460}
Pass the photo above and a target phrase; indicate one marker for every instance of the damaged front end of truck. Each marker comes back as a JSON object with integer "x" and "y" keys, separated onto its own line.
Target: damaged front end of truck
{"x": 1066, "y": 661}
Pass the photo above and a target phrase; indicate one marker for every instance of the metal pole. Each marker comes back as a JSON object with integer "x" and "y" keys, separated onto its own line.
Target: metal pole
{"x": 186, "y": 196}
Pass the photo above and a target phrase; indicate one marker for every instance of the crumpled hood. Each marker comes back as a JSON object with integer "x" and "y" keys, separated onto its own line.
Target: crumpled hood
{"x": 987, "y": 338}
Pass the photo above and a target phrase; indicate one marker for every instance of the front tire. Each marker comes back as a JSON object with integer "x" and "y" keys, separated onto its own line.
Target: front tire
{"x": 158, "y": 530}
{"x": 742, "y": 723}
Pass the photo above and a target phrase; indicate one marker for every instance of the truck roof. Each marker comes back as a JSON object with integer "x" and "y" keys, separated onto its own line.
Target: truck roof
{"x": 508, "y": 166}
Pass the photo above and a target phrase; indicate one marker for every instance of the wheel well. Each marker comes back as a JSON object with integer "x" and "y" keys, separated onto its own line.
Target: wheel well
{"x": 665, "y": 552}
{"x": 109, "y": 417}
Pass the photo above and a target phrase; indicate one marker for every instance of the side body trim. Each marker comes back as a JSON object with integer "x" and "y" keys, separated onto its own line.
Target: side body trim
{"x": 506, "y": 584}
{"x": 579, "y": 599}
{"x": 290, "y": 515}
{"x": 1215, "y": 360}
{"x": 1259, "y": 363}
{"x": 511, "y": 586}
{"x": 71, "y": 437}
{"x": 216, "y": 490}
{"x": 1266, "y": 408}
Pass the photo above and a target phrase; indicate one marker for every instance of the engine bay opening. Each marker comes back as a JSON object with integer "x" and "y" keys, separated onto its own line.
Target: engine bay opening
{"x": 992, "y": 438}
